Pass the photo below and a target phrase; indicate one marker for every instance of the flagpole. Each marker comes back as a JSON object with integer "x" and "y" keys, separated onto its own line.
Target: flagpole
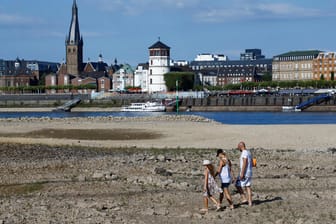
{"x": 177, "y": 106}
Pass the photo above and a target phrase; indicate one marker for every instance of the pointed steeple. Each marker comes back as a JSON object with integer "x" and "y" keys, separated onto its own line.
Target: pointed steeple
{"x": 74, "y": 34}
{"x": 74, "y": 45}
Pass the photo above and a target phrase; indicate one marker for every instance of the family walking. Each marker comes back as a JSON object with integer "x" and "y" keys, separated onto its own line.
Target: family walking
{"x": 225, "y": 173}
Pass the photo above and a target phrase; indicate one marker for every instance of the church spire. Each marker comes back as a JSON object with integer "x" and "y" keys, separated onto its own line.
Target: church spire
{"x": 74, "y": 45}
{"x": 74, "y": 34}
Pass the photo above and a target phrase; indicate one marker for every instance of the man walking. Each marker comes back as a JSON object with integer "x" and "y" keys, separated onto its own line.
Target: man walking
{"x": 244, "y": 179}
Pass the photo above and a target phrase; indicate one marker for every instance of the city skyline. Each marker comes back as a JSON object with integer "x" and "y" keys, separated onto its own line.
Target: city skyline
{"x": 125, "y": 29}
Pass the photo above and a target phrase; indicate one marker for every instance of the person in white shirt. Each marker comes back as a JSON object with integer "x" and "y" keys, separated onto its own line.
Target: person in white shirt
{"x": 244, "y": 179}
{"x": 225, "y": 173}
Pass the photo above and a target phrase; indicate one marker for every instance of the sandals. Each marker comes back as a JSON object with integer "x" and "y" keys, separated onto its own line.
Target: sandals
{"x": 204, "y": 210}
{"x": 218, "y": 208}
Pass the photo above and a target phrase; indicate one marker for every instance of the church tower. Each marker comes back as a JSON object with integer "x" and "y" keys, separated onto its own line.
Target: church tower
{"x": 159, "y": 64}
{"x": 74, "y": 45}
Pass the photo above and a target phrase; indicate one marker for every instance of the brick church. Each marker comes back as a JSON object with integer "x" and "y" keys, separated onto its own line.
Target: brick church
{"x": 79, "y": 76}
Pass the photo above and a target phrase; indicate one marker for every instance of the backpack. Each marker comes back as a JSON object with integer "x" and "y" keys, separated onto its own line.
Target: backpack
{"x": 254, "y": 162}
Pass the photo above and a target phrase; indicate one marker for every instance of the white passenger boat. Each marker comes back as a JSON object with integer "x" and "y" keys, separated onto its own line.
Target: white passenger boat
{"x": 290, "y": 109}
{"x": 145, "y": 107}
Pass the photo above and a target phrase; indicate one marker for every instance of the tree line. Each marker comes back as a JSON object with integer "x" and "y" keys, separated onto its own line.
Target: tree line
{"x": 186, "y": 81}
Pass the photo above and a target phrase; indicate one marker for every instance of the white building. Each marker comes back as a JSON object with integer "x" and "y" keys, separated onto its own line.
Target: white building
{"x": 211, "y": 57}
{"x": 122, "y": 78}
{"x": 159, "y": 58}
{"x": 141, "y": 77}
{"x": 179, "y": 62}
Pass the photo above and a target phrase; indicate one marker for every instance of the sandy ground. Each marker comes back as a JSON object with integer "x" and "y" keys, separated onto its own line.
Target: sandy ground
{"x": 156, "y": 177}
{"x": 179, "y": 133}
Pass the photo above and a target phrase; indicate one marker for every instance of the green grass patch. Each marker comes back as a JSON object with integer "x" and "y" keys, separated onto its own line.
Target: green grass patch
{"x": 20, "y": 189}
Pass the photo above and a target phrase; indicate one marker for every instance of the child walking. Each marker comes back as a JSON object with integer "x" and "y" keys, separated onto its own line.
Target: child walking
{"x": 210, "y": 186}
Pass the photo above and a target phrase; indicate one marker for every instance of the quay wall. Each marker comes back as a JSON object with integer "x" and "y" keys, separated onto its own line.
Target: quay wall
{"x": 253, "y": 103}
{"x": 217, "y": 103}
{"x": 38, "y": 100}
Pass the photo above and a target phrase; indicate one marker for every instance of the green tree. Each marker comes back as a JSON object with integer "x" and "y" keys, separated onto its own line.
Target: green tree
{"x": 322, "y": 77}
{"x": 267, "y": 76}
{"x": 41, "y": 81}
{"x": 332, "y": 76}
{"x": 185, "y": 80}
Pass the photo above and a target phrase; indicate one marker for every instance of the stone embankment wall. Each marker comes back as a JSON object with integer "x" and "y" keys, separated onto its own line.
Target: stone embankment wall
{"x": 38, "y": 100}
{"x": 218, "y": 103}
{"x": 253, "y": 103}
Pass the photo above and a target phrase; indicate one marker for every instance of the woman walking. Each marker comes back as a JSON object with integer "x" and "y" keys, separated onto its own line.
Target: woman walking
{"x": 225, "y": 174}
{"x": 210, "y": 187}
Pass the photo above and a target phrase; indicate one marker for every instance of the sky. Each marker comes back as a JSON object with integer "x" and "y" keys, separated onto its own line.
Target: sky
{"x": 124, "y": 29}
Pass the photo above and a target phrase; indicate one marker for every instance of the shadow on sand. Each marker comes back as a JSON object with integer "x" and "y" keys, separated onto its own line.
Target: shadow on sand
{"x": 258, "y": 201}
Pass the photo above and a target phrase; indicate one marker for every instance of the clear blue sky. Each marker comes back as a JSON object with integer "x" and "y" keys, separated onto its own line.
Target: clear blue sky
{"x": 124, "y": 29}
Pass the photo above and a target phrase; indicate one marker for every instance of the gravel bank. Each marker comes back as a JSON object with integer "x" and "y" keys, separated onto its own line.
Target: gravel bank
{"x": 66, "y": 184}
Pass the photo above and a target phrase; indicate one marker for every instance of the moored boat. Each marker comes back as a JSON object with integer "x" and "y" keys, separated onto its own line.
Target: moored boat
{"x": 145, "y": 107}
{"x": 290, "y": 109}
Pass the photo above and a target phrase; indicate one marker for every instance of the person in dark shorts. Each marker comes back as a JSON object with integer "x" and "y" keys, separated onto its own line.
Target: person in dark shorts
{"x": 225, "y": 173}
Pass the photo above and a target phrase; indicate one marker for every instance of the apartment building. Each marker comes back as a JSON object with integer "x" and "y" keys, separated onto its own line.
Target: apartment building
{"x": 294, "y": 65}
{"x": 252, "y": 66}
{"x": 324, "y": 66}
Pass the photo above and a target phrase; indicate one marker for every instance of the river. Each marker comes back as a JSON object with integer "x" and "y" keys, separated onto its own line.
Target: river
{"x": 234, "y": 118}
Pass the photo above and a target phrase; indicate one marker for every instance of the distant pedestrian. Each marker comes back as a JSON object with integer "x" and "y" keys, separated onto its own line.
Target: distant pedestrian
{"x": 210, "y": 187}
{"x": 244, "y": 180}
{"x": 226, "y": 175}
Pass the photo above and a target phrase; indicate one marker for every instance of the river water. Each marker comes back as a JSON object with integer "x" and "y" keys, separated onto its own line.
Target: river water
{"x": 235, "y": 118}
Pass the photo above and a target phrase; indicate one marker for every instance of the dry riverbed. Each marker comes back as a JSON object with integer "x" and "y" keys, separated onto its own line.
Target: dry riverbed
{"x": 48, "y": 177}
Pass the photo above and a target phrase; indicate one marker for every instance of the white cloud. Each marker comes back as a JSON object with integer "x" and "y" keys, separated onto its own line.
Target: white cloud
{"x": 247, "y": 10}
{"x": 181, "y": 4}
{"x": 284, "y": 10}
{"x": 136, "y": 7}
{"x": 214, "y": 11}
{"x": 17, "y": 20}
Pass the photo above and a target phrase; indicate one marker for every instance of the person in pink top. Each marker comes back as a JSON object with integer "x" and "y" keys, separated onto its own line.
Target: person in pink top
{"x": 210, "y": 187}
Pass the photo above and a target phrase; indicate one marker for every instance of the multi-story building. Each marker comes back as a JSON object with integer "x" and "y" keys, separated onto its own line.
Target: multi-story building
{"x": 2, "y": 67}
{"x": 223, "y": 72}
{"x": 19, "y": 72}
{"x": 211, "y": 57}
{"x": 123, "y": 78}
{"x": 324, "y": 66}
{"x": 159, "y": 64}
{"x": 251, "y": 54}
{"x": 141, "y": 76}
{"x": 294, "y": 65}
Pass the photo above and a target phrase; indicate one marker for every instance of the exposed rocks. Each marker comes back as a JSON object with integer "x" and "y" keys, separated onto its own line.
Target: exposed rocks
{"x": 332, "y": 150}
{"x": 162, "y": 171}
{"x": 161, "y": 158}
{"x": 191, "y": 118}
{"x": 45, "y": 184}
